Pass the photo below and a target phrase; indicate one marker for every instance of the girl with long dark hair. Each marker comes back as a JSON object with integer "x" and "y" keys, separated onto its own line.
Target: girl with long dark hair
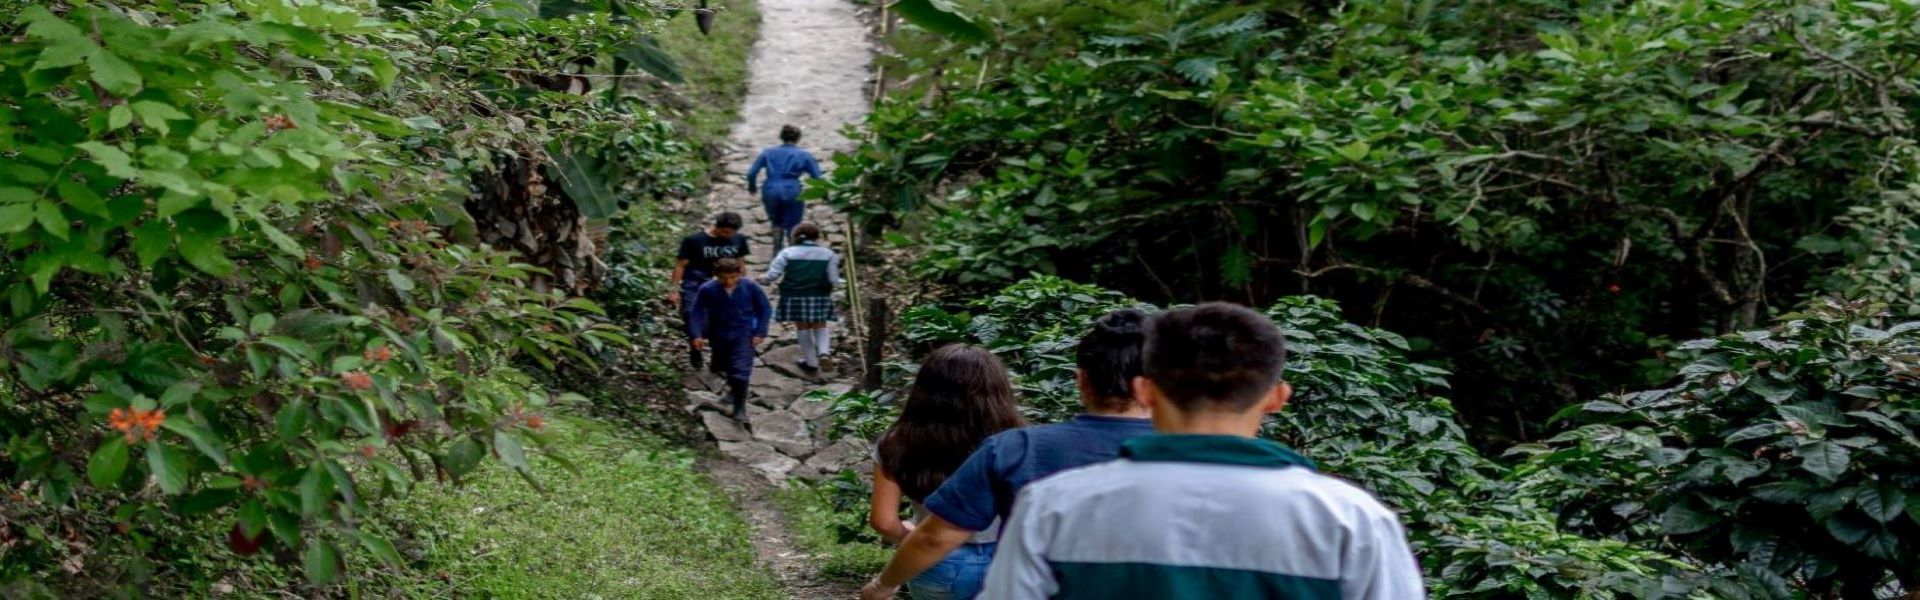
{"x": 961, "y": 396}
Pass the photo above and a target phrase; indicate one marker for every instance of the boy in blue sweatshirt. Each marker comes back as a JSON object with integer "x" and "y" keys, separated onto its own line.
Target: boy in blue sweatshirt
{"x": 731, "y": 313}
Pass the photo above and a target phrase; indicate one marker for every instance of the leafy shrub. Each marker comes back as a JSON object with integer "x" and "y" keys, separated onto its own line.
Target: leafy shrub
{"x": 240, "y": 282}
{"x": 1790, "y": 449}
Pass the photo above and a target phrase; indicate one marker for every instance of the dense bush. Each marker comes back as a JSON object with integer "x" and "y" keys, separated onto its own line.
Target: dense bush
{"x": 1790, "y": 450}
{"x": 239, "y": 251}
{"x": 1546, "y": 193}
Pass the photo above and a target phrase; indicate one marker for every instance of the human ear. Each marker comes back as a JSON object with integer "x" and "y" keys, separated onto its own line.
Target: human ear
{"x": 1146, "y": 392}
{"x": 1278, "y": 398}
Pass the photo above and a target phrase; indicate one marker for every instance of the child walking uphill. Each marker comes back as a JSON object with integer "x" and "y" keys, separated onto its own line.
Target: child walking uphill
{"x": 1205, "y": 509}
{"x": 980, "y": 495}
{"x": 731, "y": 314}
{"x": 807, "y": 273}
{"x": 960, "y": 397}
{"x": 784, "y": 165}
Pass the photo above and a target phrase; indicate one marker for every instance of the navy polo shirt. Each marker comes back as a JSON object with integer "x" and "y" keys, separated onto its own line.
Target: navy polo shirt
{"x": 986, "y": 485}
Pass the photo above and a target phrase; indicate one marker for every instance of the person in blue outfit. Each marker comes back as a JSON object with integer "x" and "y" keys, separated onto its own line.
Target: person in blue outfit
{"x": 731, "y": 314}
{"x": 784, "y": 164}
{"x": 694, "y": 266}
{"x": 981, "y": 493}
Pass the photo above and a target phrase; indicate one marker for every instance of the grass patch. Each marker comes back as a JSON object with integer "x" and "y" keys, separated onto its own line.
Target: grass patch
{"x": 636, "y": 521}
{"x": 828, "y": 520}
{"x": 715, "y": 65}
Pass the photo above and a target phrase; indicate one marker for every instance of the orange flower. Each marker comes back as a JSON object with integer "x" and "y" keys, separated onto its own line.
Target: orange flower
{"x": 357, "y": 380}
{"x": 313, "y": 263}
{"x": 279, "y": 122}
{"x": 136, "y": 424}
{"x": 368, "y": 451}
{"x": 536, "y": 422}
{"x": 381, "y": 354}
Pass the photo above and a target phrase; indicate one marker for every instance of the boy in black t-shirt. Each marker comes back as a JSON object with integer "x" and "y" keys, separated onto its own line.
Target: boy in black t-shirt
{"x": 694, "y": 266}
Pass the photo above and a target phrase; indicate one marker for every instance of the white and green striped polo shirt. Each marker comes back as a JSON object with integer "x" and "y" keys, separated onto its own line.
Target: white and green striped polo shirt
{"x": 1199, "y": 516}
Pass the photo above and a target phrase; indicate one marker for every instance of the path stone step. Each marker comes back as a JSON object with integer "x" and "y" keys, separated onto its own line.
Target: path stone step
{"x": 785, "y": 431}
{"x": 762, "y": 457}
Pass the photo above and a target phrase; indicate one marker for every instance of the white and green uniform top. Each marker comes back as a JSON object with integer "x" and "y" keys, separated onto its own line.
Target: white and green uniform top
{"x": 1201, "y": 516}
{"x": 806, "y": 269}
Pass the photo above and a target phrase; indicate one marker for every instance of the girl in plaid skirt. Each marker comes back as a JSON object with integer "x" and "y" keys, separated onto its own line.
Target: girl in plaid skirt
{"x": 807, "y": 272}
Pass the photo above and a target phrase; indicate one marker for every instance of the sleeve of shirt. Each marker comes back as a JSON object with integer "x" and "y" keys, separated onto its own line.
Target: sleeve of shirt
{"x": 779, "y": 266}
{"x": 689, "y": 249}
{"x": 833, "y": 269}
{"x": 813, "y": 167}
{"x": 753, "y": 172}
{"x": 1380, "y": 565}
{"x": 1019, "y": 567}
{"x": 762, "y": 311}
{"x": 966, "y": 498}
{"x": 697, "y": 314}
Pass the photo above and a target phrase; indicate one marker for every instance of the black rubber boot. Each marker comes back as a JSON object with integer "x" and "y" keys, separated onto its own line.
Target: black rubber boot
{"x": 696, "y": 358}
{"x": 737, "y": 391}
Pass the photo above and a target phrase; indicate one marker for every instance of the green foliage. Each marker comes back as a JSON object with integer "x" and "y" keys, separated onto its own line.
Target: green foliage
{"x": 240, "y": 283}
{"x": 1547, "y": 191}
{"x": 1790, "y": 449}
{"x": 829, "y": 520}
{"x": 636, "y": 519}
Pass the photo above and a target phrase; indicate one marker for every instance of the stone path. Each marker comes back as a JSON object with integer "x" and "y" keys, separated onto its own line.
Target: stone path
{"x": 809, "y": 68}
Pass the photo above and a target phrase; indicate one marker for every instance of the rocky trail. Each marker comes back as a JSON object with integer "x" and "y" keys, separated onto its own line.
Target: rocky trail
{"x": 809, "y": 68}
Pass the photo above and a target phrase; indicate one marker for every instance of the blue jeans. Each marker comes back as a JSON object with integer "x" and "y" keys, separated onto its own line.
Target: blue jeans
{"x": 959, "y": 577}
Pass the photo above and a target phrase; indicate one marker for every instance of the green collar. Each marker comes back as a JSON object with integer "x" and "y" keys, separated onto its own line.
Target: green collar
{"x": 1214, "y": 449}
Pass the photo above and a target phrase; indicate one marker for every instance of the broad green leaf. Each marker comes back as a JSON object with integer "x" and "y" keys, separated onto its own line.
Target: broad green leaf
{"x": 1681, "y": 518}
{"x": 647, "y": 55}
{"x": 381, "y": 549}
{"x": 322, "y": 562}
{"x": 464, "y": 456}
{"x": 116, "y": 162}
{"x": 1356, "y": 151}
{"x": 1883, "y": 502}
{"x": 202, "y": 438}
{"x": 205, "y": 254}
{"x": 15, "y": 218}
{"x": 151, "y": 241}
{"x": 155, "y": 115}
{"x": 581, "y": 176}
{"x": 939, "y": 17}
{"x": 83, "y": 199}
{"x": 52, "y": 219}
{"x": 108, "y": 462}
{"x": 316, "y": 489}
{"x": 119, "y": 116}
{"x": 510, "y": 450}
{"x": 114, "y": 74}
{"x": 169, "y": 466}
{"x": 1825, "y": 459}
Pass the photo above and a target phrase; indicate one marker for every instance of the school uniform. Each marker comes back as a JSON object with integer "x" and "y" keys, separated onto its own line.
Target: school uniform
{"x": 784, "y": 164}
{"x": 1202, "y": 516}
{"x": 807, "y": 273}
{"x": 729, "y": 321}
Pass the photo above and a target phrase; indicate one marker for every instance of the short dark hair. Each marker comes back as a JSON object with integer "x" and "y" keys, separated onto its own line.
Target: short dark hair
{"x": 728, "y": 266}
{"x": 1109, "y": 355}
{"x": 789, "y": 134}
{"x": 728, "y": 220}
{"x": 806, "y": 232}
{"x": 1215, "y": 355}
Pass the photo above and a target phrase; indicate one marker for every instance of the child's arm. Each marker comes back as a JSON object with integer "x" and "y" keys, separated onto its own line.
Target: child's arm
{"x": 833, "y": 270}
{"x": 813, "y": 167}
{"x": 697, "y": 315}
{"x": 775, "y": 270}
{"x": 753, "y": 172}
{"x": 763, "y": 311}
{"x": 883, "y": 510}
